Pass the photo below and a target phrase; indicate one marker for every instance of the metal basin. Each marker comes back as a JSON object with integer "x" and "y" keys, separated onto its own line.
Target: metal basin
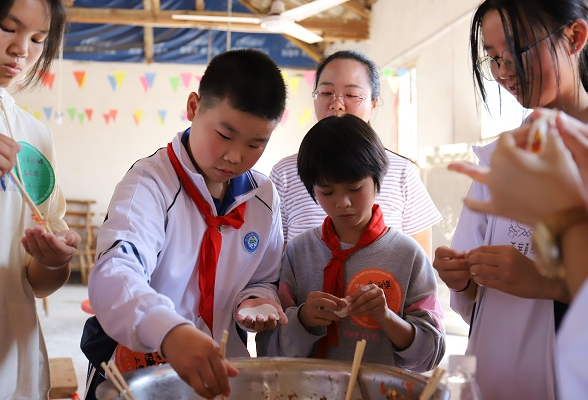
{"x": 282, "y": 379}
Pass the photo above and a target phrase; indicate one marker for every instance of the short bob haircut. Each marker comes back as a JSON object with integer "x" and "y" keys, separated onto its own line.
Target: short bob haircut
{"x": 341, "y": 150}
{"x": 249, "y": 80}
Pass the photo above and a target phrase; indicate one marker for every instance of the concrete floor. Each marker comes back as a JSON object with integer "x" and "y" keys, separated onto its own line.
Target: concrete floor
{"x": 64, "y": 323}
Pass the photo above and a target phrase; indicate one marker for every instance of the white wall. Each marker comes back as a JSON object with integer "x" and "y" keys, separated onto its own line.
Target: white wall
{"x": 433, "y": 36}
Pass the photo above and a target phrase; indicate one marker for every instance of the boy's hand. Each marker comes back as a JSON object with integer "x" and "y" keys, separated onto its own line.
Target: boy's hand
{"x": 319, "y": 308}
{"x": 53, "y": 251}
{"x": 196, "y": 358}
{"x": 8, "y": 151}
{"x": 260, "y": 323}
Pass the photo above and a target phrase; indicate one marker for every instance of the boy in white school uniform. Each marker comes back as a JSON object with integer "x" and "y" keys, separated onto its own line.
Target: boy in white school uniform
{"x": 193, "y": 235}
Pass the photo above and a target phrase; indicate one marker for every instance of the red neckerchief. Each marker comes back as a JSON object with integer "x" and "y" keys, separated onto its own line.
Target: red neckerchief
{"x": 211, "y": 242}
{"x": 333, "y": 273}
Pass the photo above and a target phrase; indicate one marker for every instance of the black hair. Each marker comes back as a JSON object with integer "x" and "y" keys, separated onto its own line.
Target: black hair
{"x": 52, "y": 43}
{"x": 339, "y": 150}
{"x": 248, "y": 80}
{"x": 540, "y": 17}
{"x": 370, "y": 67}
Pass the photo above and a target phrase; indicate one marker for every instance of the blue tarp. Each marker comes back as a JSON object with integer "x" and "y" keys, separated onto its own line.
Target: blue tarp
{"x": 122, "y": 43}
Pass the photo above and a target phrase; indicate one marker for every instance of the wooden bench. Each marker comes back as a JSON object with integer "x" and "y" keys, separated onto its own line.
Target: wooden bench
{"x": 64, "y": 383}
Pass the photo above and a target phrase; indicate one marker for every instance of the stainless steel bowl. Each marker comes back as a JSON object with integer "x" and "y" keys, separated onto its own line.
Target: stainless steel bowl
{"x": 284, "y": 379}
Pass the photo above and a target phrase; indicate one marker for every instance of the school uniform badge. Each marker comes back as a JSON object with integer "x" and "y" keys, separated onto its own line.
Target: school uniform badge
{"x": 250, "y": 242}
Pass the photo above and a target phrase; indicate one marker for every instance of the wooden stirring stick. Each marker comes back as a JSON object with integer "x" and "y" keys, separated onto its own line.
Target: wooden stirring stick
{"x": 28, "y": 199}
{"x": 118, "y": 380}
{"x": 223, "y": 348}
{"x": 432, "y": 384}
{"x": 359, "y": 348}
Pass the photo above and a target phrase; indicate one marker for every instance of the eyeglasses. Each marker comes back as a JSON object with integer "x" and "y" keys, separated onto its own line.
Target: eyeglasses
{"x": 326, "y": 97}
{"x": 489, "y": 66}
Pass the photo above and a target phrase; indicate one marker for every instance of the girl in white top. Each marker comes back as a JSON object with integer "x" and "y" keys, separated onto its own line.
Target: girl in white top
{"x": 32, "y": 263}
{"x": 347, "y": 82}
{"x": 535, "y": 50}
{"x": 539, "y": 187}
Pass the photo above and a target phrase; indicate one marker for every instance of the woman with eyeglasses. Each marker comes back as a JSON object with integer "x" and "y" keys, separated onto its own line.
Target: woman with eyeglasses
{"x": 347, "y": 82}
{"x": 535, "y": 51}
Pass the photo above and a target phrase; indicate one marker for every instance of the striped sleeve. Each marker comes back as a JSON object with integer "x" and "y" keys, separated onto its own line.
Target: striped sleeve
{"x": 299, "y": 211}
{"x": 406, "y": 204}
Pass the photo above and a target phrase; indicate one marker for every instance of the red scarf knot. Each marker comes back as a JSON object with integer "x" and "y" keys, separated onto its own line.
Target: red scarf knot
{"x": 333, "y": 272}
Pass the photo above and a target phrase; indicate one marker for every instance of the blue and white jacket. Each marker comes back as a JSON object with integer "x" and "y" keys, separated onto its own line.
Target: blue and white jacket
{"x": 145, "y": 281}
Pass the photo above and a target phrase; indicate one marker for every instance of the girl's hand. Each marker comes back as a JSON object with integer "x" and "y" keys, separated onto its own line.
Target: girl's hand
{"x": 524, "y": 186}
{"x": 260, "y": 324}
{"x": 575, "y": 136}
{"x": 53, "y": 251}
{"x": 318, "y": 310}
{"x": 506, "y": 269}
{"x": 452, "y": 267}
{"x": 369, "y": 300}
{"x": 8, "y": 152}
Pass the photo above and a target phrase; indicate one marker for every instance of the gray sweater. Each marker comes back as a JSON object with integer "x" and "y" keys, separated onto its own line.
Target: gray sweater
{"x": 396, "y": 263}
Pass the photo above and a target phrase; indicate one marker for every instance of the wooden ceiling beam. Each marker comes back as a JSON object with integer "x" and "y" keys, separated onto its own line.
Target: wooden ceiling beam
{"x": 351, "y": 29}
{"x": 153, "y": 7}
{"x": 357, "y": 8}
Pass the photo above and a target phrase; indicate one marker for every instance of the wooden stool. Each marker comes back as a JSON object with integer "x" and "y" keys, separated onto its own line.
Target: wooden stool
{"x": 64, "y": 383}
{"x": 79, "y": 218}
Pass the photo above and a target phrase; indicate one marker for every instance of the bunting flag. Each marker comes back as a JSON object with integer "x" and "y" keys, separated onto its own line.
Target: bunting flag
{"x": 47, "y": 78}
{"x": 109, "y": 116}
{"x": 393, "y": 83}
{"x": 186, "y": 78}
{"x": 161, "y": 114}
{"x": 147, "y": 80}
{"x": 137, "y": 115}
{"x": 175, "y": 81}
{"x": 89, "y": 112}
{"x": 59, "y": 117}
{"x": 284, "y": 118}
{"x": 305, "y": 117}
{"x": 80, "y": 77}
{"x": 198, "y": 78}
{"x": 37, "y": 114}
{"x": 309, "y": 78}
{"x": 386, "y": 72}
{"x": 81, "y": 117}
{"x": 72, "y": 113}
{"x": 116, "y": 79}
{"x": 293, "y": 83}
{"x": 48, "y": 111}
{"x": 184, "y": 115}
